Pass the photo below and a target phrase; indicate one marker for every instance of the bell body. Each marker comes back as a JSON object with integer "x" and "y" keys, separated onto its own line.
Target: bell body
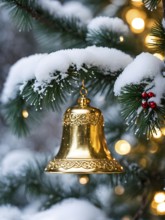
{"x": 83, "y": 147}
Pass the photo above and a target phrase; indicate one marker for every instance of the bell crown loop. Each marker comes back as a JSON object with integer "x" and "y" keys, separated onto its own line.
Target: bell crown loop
{"x": 83, "y": 100}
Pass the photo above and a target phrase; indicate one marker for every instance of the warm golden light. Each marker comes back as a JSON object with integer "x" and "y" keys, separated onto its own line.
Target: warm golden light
{"x": 137, "y": 2}
{"x": 137, "y": 25}
{"x": 158, "y": 203}
{"x": 163, "y": 131}
{"x": 126, "y": 218}
{"x": 121, "y": 38}
{"x": 159, "y": 197}
{"x": 83, "y": 180}
{"x": 149, "y": 40}
{"x": 119, "y": 190}
{"x": 159, "y": 56}
{"x": 161, "y": 208}
{"x": 25, "y": 114}
{"x": 134, "y": 13}
{"x": 122, "y": 147}
{"x": 158, "y": 134}
{"x": 153, "y": 149}
{"x": 143, "y": 162}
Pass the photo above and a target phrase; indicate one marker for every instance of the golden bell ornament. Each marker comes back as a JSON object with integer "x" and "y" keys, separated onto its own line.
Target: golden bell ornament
{"x": 83, "y": 147}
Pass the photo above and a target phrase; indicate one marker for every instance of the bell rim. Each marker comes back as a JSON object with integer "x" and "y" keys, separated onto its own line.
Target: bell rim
{"x": 84, "y": 166}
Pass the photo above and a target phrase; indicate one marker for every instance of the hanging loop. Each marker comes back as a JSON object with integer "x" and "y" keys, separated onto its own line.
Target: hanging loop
{"x": 83, "y": 90}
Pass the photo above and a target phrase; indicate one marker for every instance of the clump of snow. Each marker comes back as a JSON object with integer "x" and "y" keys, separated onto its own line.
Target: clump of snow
{"x": 158, "y": 89}
{"x": 57, "y": 61}
{"x": 68, "y": 9}
{"x": 101, "y": 57}
{"x": 8, "y": 212}
{"x": 54, "y": 66}
{"x": 108, "y": 59}
{"x": 74, "y": 8}
{"x": 104, "y": 194}
{"x": 71, "y": 209}
{"x": 21, "y": 71}
{"x": 15, "y": 160}
{"x": 113, "y": 24}
{"x": 143, "y": 67}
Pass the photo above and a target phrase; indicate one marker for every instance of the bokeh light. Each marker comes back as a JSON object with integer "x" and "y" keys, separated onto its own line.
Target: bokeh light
{"x": 25, "y": 114}
{"x": 122, "y": 147}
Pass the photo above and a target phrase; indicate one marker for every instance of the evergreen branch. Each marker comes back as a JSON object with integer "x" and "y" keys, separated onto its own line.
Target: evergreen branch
{"x": 37, "y": 183}
{"x": 36, "y": 96}
{"x": 13, "y": 112}
{"x": 144, "y": 121}
{"x": 52, "y": 96}
{"x": 24, "y": 11}
{"x": 158, "y": 41}
{"x": 151, "y": 4}
{"x": 19, "y": 13}
{"x": 108, "y": 38}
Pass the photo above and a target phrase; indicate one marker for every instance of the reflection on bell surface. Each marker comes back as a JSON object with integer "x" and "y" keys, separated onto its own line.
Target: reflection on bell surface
{"x": 83, "y": 147}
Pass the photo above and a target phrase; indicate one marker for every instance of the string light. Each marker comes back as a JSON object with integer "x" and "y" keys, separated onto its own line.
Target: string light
{"x": 122, "y": 147}
{"x": 138, "y": 25}
{"x": 163, "y": 131}
{"x": 121, "y": 38}
{"x": 161, "y": 208}
{"x": 83, "y": 180}
{"x": 25, "y": 114}
{"x": 159, "y": 197}
{"x": 119, "y": 190}
{"x": 157, "y": 134}
{"x": 158, "y": 203}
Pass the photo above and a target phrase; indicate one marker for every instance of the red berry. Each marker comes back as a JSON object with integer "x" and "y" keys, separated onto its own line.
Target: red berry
{"x": 144, "y": 95}
{"x": 152, "y": 105}
{"x": 151, "y": 94}
{"x": 144, "y": 104}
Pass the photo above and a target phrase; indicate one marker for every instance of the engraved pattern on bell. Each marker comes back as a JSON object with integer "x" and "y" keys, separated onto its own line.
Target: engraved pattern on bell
{"x": 101, "y": 165}
{"x": 81, "y": 119}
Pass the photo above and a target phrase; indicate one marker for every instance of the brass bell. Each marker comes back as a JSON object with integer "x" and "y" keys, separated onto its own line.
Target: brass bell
{"x": 83, "y": 147}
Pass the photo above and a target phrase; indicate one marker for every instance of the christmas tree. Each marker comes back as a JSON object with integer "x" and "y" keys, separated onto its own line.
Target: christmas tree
{"x": 48, "y": 48}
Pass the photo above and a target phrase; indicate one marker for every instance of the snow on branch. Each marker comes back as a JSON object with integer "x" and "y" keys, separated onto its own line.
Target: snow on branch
{"x": 113, "y": 24}
{"x": 145, "y": 67}
{"x": 44, "y": 68}
{"x": 68, "y": 9}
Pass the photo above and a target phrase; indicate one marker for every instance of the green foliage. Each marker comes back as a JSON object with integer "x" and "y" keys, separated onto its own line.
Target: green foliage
{"x": 108, "y": 38}
{"x": 54, "y": 94}
{"x": 144, "y": 121}
{"x": 17, "y": 10}
{"x": 151, "y": 4}
{"x": 36, "y": 183}
{"x": 158, "y": 41}
{"x": 24, "y": 12}
{"x": 13, "y": 113}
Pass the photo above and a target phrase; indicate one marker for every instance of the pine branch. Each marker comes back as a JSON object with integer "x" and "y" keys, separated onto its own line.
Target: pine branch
{"x": 36, "y": 97}
{"x": 151, "y": 4}
{"x": 13, "y": 113}
{"x": 158, "y": 41}
{"x": 143, "y": 120}
{"x": 37, "y": 183}
{"x": 24, "y": 11}
{"x": 108, "y": 38}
